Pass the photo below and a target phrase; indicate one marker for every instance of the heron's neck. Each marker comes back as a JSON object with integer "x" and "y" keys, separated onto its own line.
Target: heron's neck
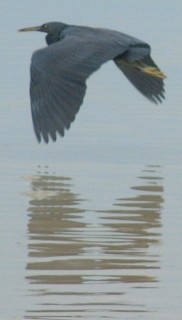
{"x": 51, "y": 38}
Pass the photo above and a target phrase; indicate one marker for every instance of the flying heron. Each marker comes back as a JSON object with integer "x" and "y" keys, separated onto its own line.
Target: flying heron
{"x": 60, "y": 70}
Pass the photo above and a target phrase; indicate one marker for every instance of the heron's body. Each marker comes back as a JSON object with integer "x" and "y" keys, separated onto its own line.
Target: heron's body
{"x": 60, "y": 70}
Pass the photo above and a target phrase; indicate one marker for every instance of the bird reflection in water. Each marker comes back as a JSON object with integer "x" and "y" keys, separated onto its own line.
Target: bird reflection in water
{"x": 70, "y": 257}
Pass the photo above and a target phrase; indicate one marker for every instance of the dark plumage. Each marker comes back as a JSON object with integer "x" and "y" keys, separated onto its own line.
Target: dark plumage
{"x": 60, "y": 70}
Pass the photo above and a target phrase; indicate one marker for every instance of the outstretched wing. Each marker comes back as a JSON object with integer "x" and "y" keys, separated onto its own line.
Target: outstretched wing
{"x": 58, "y": 80}
{"x": 59, "y": 73}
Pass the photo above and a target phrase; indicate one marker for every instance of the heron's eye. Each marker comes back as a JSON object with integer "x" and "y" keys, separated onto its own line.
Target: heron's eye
{"x": 45, "y": 26}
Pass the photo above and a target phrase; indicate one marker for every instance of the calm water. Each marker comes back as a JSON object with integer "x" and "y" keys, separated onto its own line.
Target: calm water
{"x": 107, "y": 252}
{"x": 90, "y": 227}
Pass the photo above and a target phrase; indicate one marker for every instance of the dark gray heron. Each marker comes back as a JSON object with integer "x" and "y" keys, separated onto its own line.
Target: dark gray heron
{"x": 60, "y": 70}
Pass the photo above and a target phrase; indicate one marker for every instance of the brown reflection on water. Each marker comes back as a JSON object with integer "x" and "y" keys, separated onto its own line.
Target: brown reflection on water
{"x": 54, "y": 213}
{"x": 136, "y": 223}
{"x": 92, "y": 265}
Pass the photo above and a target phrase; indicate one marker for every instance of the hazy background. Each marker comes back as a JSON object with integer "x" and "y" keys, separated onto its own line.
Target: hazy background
{"x": 121, "y": 152}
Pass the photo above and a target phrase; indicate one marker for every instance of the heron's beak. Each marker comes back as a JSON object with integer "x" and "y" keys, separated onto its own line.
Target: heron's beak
{"x": 38, "y": 28}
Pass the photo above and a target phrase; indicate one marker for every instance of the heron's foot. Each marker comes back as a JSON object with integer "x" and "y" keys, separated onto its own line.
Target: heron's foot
{"x": 152, "y": 71}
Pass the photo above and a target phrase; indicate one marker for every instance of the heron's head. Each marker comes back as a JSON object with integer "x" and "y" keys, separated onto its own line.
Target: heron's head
{"x": 53, "y": 29}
